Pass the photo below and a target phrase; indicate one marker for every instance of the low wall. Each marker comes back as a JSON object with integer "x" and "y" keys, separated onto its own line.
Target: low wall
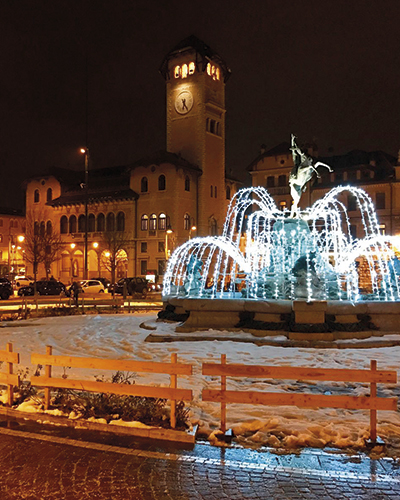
{"x": 328, "y": 320}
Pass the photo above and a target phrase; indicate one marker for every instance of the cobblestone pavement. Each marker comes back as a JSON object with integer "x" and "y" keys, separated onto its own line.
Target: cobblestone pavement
{"x": 39, "y": 466}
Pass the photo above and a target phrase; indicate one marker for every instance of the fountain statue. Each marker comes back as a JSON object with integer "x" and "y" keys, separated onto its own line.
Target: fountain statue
{"x": 268, "y": 254}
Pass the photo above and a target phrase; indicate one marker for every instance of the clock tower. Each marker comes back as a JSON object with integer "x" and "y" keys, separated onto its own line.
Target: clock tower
{"x": 195, "y": 78}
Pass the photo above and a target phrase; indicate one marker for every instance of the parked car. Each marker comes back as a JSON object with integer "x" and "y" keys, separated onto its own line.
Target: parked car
{"x": 133, "y": 286}
{"x": 106, "y": 282}
{"x": 43, "y": 287}
{"x": 88, "y": 286}
{"x": 6, "y": 289}
{"x": 22, "y": 281}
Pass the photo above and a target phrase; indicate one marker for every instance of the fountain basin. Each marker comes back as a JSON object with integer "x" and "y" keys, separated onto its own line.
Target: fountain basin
{"x": 297, "y": 319}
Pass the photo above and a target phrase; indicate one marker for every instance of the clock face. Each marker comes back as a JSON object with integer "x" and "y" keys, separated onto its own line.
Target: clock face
{"x": 184, "y": 102}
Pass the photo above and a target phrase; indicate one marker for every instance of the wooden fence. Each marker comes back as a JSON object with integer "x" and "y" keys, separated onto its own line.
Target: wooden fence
{"x": 9, "y": 378}
{"x": 173, "y": 369}
{"x": 371, "y": 376}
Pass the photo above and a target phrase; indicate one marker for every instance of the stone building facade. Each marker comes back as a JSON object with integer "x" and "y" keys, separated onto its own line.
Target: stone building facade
{"x": 12, "y": 234}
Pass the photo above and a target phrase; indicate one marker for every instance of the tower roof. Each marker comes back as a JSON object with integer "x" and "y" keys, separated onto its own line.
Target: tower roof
{"x": 204, "y": 54}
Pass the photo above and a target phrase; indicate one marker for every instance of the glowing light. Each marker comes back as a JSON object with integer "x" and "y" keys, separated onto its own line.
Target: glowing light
{"x": 184, "y": 71}
{"x": 312, "y": 257}
{"x": 95, "y": 245}
{"x": 177, "y": 71}
{"x": 72, "y": 245}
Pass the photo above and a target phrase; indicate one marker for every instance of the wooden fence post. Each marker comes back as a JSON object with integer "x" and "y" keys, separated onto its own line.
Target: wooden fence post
{"x": 372, "y": 413}
{"x": 10, "y": 389}
{"x": 47, "y": 372}
{"x": 173, "y": 385}
{"x": 223, "y": 389}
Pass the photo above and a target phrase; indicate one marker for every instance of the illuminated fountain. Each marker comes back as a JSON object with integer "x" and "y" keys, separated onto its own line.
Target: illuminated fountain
{"x": 278, "y": 258}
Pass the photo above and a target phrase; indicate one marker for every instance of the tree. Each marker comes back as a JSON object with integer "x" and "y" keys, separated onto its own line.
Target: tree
{"x": 115, "y": 243}
{"x": 42, "y": 243}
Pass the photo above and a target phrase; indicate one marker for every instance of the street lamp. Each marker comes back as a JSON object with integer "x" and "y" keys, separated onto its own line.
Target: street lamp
{"x": 85, "y": 151}
{"x": 96, "y": 246}
{"x": 72, "y": 245}
{"x": 168, "y": 231}
{"x": 192, "y": 228}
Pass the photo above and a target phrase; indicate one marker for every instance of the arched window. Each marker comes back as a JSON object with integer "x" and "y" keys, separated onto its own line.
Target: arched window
{"x": 36, "y": 196}
{"x": 72, "y": 224}
{"x": 42, "y": 228}
{"x": 121, "y": 221}
{"x": 64, "y": 224}
{"x": 270, "y": 181}
{"x": 49, "y": 195}
{"x": 187, "y": 183}
{"x": 186, "y": 222}
{"x": 49, "y": 228}
{"x": 228, "y": 192}
{"x": 36, "y": 228}
{"x": 91, "y": 223}
{"x": 143, "y": 185}
{"x": 161, "y": 183}
{"x": 282, "y": 180}
{"x": 100, "y": 223}
{"x": 153, "y": 222}
{"x": 144, "y": 223}
{"x": 110, "y": 222}
{"x": 213, "y": 227}
{"x": 162, "y": 222}
{"x": 81, "y": 224}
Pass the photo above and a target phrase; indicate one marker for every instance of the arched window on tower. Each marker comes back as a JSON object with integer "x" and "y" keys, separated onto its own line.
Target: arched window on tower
{"x": 36, "y": 228}
{"x": 110, "y": 223}
{"x": 49, "y": 195}
{"x": 36, "y": 196}
{"x": 49, "y": 228}
{"x": 64, "y": 224}
{"x": 42, "y": 228}
{"x": 187, "y": 183}
{"x": 72, "y": 224}
{"x": 228, "y": 192}
{"x": 100, "y": 223}
{"x": 144, "y": 223}
{"x": 91, "y": 223}
{"x": 144, "y": 185}
{"x": 161, "y": 183}
{"x": 81, "y": 224}
{"x": 121, "y": 221}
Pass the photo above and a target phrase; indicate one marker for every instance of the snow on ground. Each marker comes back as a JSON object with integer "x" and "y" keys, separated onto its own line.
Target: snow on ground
{"x": 121, "y": 337}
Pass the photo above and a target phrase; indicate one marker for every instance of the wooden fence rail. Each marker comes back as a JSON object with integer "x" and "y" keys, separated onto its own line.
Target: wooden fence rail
{"x": 173, "y": 369}
{"x": 9, "y": 378}
{"x": 371, "y": 376}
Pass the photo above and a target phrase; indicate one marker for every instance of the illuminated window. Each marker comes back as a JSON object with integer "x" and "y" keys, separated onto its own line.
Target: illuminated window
{"x": 282, "y": 204}
{"x": 1, "y": 238}
{"x": 153, "y": 222}
{"x": 191, "y": 68}
{"x": 184, "y": 71}
{"x": 177, "y": 71}
{"x": 162, "y": 222}
{"x": 144, "y": 223}
{"x": 217, "y": 73}
{"x": 209, "y": 69}
{"x": 382, "y": 229}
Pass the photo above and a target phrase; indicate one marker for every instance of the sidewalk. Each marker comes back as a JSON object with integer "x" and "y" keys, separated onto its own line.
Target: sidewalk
{"x": 49, "y": 465}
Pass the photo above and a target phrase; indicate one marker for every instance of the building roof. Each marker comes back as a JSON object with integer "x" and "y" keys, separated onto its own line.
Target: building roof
{"x": 281, "y": 149}
{"x": 204, "y": 54}
{"x": 165, "y": 157}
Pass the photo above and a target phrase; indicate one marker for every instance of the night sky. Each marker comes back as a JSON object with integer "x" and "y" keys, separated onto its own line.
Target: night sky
{"x": 325, "y": 70}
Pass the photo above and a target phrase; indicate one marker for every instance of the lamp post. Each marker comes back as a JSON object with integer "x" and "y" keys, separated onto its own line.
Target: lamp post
{"x": 96, "y": 247}
{"x": 192, "y": 227}
{"x": 72, "y": 245}
{"x": 85, "y": 151}
{"x": 168, "y": 231}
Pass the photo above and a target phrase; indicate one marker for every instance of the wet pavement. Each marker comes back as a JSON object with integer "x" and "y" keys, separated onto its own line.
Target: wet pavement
{"x": 39, "y": 462}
